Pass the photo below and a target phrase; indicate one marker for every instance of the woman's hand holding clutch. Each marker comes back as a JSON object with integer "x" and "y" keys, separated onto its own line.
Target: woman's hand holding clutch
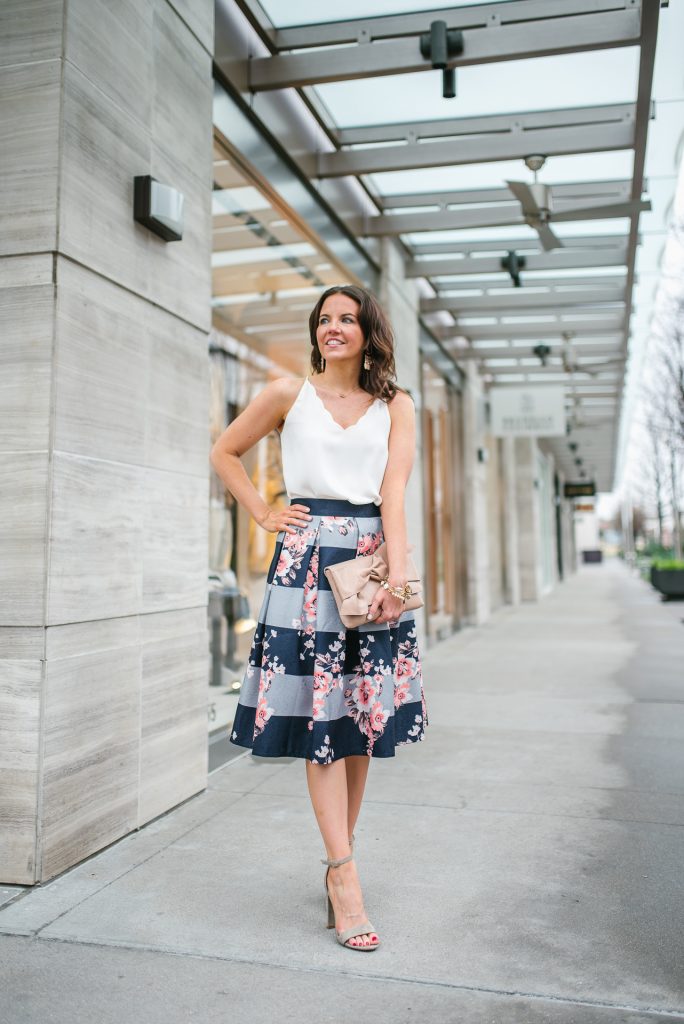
{"x": 385, "y": 607}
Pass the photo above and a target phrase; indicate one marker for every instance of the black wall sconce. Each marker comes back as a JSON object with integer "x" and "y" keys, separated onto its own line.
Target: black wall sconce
{"x": 542, "y": 352}
{"x": 159, "y": 207}
{"x": 437, "y": 46}
{"x": 513, "y": 264}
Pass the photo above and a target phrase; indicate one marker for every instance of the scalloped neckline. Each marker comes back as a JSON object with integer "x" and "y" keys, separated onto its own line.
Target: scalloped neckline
{"x": 327, "y": 410}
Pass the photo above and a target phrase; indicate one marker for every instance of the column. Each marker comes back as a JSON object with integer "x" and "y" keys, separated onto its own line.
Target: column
{"x": 399, "y": 298}
{"x": 103, "y": 425}
{"x": 510, "y": 515}
{"x": 475, "y": 505}
{"x": 529, "y": 524}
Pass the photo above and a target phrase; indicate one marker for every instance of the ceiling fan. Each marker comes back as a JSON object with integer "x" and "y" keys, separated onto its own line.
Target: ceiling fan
{"x": 537, "y": 207}
{"x": 572, "y": 366}
{"x": 594, "y": 370}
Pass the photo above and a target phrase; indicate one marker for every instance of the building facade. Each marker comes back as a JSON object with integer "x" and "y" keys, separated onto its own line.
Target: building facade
{"x": 129, "y": 578}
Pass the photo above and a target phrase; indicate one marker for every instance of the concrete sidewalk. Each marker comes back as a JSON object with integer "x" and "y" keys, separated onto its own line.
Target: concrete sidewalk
{"x": 523, "y": 864}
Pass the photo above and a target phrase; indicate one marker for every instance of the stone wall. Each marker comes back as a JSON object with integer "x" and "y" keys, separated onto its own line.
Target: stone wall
{"x": 103, "y": 432}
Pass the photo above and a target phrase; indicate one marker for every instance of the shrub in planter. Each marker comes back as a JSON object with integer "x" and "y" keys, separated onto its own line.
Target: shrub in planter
{"x": 667, "y": 576}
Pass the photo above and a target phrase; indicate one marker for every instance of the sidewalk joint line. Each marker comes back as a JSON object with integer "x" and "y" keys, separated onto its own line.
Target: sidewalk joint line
{"x": 427, "y": 982}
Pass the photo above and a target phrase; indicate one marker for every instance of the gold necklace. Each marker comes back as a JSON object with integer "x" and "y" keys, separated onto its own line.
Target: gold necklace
{"x": 357, "y": 388}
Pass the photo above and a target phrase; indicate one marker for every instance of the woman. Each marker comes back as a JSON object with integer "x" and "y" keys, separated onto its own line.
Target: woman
{"x": 313, "y": 689}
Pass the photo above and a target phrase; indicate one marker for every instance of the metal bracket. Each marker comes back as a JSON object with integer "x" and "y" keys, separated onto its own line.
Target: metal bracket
{"x": 437, "y": 46}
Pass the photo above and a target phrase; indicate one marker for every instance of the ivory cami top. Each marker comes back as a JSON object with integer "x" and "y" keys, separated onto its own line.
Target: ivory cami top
{"x": 321, "y": 459}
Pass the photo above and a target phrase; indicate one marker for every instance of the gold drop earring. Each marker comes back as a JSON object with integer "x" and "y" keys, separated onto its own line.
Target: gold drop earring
{"x": 367, "y": 363}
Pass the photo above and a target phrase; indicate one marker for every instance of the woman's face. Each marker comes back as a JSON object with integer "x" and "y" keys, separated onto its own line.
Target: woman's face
{"x": 339, "y": 335}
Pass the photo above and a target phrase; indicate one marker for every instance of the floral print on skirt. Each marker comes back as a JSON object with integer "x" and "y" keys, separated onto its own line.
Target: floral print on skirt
{"x": 314, "y": 688}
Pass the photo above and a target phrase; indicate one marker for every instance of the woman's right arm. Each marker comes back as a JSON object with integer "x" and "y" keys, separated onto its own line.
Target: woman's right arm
{"x": 263, "y": 414}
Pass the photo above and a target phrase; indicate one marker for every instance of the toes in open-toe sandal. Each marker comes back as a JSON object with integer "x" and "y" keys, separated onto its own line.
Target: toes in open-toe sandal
{"x": 366, "y": 928}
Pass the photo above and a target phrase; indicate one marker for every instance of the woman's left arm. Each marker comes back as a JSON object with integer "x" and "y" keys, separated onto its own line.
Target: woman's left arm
{"x": 402, "y": 446}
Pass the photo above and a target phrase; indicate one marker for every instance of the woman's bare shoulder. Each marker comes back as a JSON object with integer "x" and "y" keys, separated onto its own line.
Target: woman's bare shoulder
{"x": 401, "y": 404}
{"x": 284, "y": 387}
{"x": 283, "y": 392}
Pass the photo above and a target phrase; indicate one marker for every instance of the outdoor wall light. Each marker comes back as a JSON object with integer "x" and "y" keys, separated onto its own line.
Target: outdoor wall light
{"x": 437, "y": 46}
{"x": 573, "y": 446}
{"x": 159, "y": 207}
{"x": 542, "y": 352}
{"x": 513, "y": 263}
{"x": 578, "y": 462}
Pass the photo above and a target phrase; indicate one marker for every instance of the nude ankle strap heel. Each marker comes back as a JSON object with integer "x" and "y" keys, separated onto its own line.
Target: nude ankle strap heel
{"x": 365, "y": 928}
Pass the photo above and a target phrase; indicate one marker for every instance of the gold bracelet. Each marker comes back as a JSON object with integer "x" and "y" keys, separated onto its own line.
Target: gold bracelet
{"x": 403, "y": 592}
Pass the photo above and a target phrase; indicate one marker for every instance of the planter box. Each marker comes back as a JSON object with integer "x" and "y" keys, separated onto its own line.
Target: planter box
{"x": 669, "y": 582}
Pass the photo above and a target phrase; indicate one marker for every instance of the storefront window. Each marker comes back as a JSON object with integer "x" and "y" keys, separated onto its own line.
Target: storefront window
{"x": 445, "y": 576}
{"x": 268, "y": 270}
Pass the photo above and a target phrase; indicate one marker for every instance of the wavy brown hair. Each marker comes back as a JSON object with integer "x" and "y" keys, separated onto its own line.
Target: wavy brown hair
{"x": 380, "y": 380}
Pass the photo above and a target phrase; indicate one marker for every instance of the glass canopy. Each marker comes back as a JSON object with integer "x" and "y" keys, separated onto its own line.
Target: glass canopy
{"x": 543, "y": 83}
{"x": 557, "y": 96}
{"x": 300, "y": 12}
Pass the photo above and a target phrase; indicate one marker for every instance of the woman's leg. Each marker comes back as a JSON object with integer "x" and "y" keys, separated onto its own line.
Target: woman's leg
{"x": 357, "y": 773}
{"x": 330, "y": 800}
{"x": 328, "y": 792}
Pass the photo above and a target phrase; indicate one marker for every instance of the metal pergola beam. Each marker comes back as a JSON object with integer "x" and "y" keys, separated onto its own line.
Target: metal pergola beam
{"x": 526, "y": 332}
{"x": 531, "y": 314}
{"x": 486, "y": 124}
{"x": 650, "y": 17}
{"x": 554, "y": 371}
{"x": 558, "y": 348}
{"x": 520, "y": 299}
{"x": 559, "y": 259}
{"x": 607, "y": 191}
{"x": 578, "y": 403}
{"x": 473, "y": 16}
{"x": 401, "y": 55}
{"x": 501, "y": 215}
{"x": 616, "y": 282}
{"x": 511, "y": 145}
{"x": 529, "y": 244}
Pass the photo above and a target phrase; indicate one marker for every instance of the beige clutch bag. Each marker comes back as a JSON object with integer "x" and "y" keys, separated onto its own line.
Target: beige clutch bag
{"x": 354, "y": 584}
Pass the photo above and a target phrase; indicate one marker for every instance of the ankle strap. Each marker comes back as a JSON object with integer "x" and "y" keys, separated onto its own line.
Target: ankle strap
{"x": 336, "y": 863}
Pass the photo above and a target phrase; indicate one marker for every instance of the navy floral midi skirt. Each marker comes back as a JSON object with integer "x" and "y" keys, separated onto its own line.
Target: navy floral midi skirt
{"x": 314, "y": 688}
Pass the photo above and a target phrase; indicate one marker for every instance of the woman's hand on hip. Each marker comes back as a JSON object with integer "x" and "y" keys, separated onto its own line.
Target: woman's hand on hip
{"x": 280, "y": 519}
{"x": 385, "y": 607}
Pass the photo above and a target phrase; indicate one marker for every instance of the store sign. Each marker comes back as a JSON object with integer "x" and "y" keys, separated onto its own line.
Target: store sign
{"x": 527, "y": 411}
{"x": 583, "y": 489}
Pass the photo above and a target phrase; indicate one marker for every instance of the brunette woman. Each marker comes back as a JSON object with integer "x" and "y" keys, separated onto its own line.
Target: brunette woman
{"x": 335, "y": 697}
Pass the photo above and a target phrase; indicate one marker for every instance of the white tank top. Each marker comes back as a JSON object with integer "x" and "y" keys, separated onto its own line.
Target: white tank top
{"x": 321, "y": 459}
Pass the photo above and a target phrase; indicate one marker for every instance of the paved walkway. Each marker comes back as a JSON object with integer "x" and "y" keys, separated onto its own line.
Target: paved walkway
{"x": 524, "y": 864}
